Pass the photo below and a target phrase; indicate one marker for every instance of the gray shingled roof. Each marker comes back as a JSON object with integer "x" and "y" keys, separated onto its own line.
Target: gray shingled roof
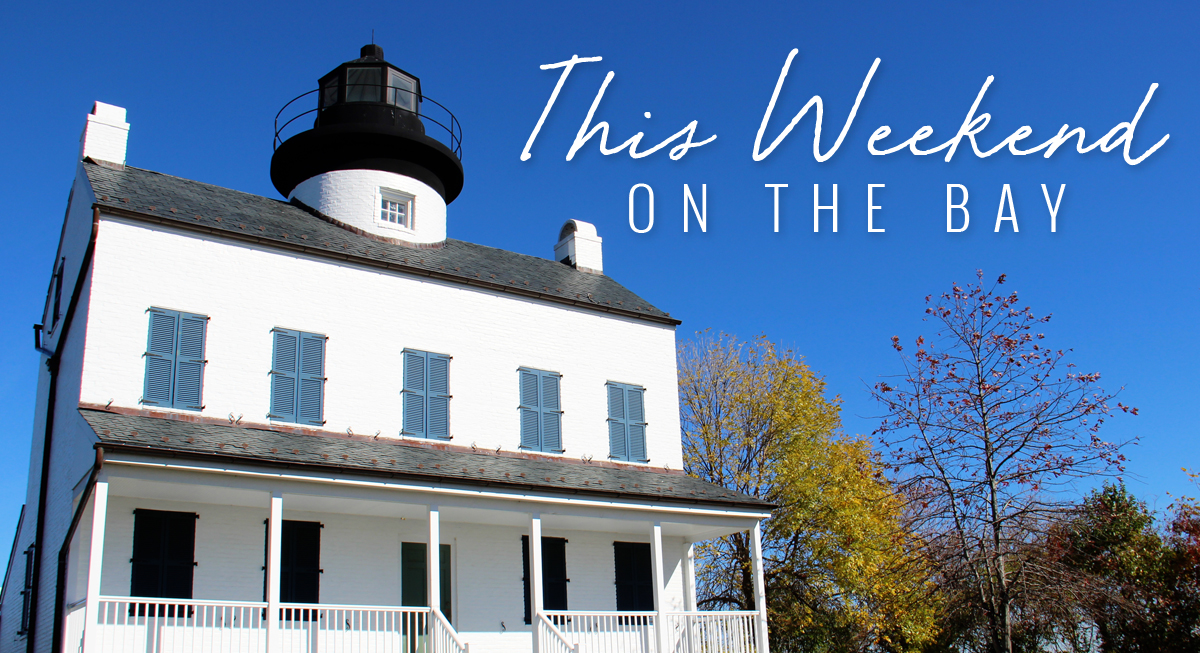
{"x": 156, "y": 197}
{"x": 403, "y": 459}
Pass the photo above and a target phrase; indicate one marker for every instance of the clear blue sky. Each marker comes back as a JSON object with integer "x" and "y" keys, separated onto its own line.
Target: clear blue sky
{"x": 202, "y": 83}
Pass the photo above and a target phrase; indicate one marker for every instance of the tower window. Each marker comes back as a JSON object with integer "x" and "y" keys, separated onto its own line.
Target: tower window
{"x": 396, "y": 208}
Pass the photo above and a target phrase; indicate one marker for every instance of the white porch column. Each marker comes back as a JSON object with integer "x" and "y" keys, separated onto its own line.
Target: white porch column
{"x": 91, "y": 639}
{"x": 656, "y": 554}
{"x": 689, "y": 578}
{"x": 760, "y": 588}
{"x": 535, "y": 574}
{"x": 433, "y": 559}
{"x": 274, "y": 560}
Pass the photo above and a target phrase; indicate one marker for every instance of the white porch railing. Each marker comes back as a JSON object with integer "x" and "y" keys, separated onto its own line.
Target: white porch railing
{"x": 551, "y": 639}
{"x": 309, "y": 628}
{"x": 445, "y": 639}
{"x": 637, "y": 632}
{"x": 176, "y": 626}
{"x": 73, "y": 629}
{"x": 711, "y": 632}
{"x": 606, "y": 632}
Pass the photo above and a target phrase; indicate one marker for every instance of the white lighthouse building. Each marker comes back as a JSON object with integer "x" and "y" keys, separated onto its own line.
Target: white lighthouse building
{"x": 319, "y": 424}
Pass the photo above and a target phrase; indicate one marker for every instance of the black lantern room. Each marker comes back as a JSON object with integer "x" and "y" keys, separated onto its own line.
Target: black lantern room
{"x": 369, "y": 115}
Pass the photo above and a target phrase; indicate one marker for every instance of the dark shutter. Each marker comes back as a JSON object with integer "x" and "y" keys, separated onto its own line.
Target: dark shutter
{"x": 554, "y": 574}
{"x": 27, "y": 590}
{"x": 617, "y": 440}
{"x": 300, "y": 562}
{"x": 164, "y": 546}
{"x": 447, "y": 581}
{"x": 634, "y": 576}
{"x": 412, "y": 574}
{"x": 189, "y": 362}
{"x": 284, "y": 374}
{"x": 160, "y": 357}
{"x": 525, "y": 577}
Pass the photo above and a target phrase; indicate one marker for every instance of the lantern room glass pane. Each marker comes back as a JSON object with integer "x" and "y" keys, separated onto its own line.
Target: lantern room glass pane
{"x": 402, "y": 92}
{"x": 329, "y": 91}
{"x": 363, "y": 84}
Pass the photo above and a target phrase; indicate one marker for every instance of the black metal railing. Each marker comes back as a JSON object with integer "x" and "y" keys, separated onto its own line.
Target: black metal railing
{"x": 439, "y": 122}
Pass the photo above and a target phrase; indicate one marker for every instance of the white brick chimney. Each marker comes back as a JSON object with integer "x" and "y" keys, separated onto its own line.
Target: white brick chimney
{"x": 105, "y": 135}
{"x": 579, "y": 246}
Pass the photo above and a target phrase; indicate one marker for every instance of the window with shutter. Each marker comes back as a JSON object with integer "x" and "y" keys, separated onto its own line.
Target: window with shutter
{"x": 175, "y": 360}
{"x": 413, "y": 591}
{"x": 626, "y": 422}
{"x": 554, "y": 574}
{"x": 298, "y": 377}
{"x": 163, "y": 554}
{"x": 633, "y": 576}
{"x": 27, "y": 590}
{"x": 426, "y": 395}
{"x": 540, "y": 409}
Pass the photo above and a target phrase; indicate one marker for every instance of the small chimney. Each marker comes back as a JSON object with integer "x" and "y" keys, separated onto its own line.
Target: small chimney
{"x": 579, "y": 247}
{"x": 105, "y": 135}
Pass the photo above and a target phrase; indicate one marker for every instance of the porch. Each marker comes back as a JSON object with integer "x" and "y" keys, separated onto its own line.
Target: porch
{"x": 528, "y": 572}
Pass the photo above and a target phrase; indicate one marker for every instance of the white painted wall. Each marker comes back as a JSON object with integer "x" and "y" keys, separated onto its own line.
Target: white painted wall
{"x": 370, "y": 316}
{"x": 353, "y": 197}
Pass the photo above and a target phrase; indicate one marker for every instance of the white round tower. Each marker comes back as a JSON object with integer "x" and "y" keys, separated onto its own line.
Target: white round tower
{"x": 367, "y": 163}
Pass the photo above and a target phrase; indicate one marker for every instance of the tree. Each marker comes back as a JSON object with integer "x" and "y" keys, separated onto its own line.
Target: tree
{"x": 839, "y": 570}
{"x": 1146, "y": 573}
{"x": 984, "y": 429}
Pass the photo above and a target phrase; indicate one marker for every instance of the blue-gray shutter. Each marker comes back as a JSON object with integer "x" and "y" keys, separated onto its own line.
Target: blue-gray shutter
{"x": 551, "y": 413}
{"x": 414, "y": 393}
{"x": 616, "y": 422}
{"x": 160, "y": 357}
{"x": 635, "y": 412}
{"x": 311, "y": 379}
{"x": 285, "y": 374}
{"x": 189, "y": 362}
{"x": 438, "y": 401}
{"x": 529, "y": 410}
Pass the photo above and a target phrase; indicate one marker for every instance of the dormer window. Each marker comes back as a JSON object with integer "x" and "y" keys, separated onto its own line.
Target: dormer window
{"x": 396, "y": 208}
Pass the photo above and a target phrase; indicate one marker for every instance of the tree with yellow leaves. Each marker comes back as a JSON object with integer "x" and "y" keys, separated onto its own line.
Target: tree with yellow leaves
{"x": 840, "y": 567}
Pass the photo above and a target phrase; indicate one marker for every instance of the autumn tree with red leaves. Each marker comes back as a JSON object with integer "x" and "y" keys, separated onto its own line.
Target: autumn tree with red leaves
{"x": 985, "y": 429}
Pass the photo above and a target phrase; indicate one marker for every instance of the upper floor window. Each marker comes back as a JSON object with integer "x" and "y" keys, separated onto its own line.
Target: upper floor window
{"x": 298, "y": 377}
{"x": 541, "y": 414}
{"x": 426, "y": 394}
{"x": 175, "y": 359}
{"x": 396, "y": 208}
{"x": 626, "y": 422}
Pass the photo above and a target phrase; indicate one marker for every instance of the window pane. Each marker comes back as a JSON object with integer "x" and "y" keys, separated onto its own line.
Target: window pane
{"x": 363, "y": 84}
{"x": 402, "y": 91}
{"x": 329, "y": 92}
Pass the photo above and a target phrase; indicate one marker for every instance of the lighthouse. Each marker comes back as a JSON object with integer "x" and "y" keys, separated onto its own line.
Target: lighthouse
{"x": 381, "y": 158}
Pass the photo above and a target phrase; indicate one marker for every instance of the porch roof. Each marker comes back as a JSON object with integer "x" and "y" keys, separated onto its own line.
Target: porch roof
{"x": 414, "y": 460}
